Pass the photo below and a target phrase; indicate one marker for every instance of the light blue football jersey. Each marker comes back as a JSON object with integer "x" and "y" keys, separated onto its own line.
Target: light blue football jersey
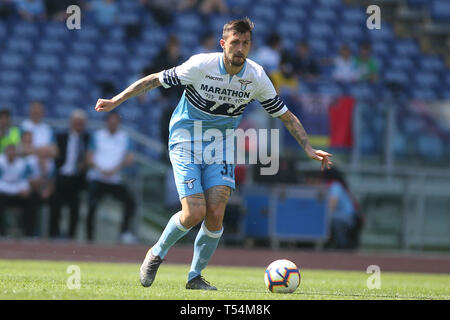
{"x": 214, "y": 99}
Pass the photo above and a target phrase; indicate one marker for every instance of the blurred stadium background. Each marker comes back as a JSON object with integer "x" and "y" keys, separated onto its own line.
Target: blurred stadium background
{"x": 390, "y": 134}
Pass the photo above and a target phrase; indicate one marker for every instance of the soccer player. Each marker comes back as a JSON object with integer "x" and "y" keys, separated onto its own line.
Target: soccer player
{"x": 218, "y": 87}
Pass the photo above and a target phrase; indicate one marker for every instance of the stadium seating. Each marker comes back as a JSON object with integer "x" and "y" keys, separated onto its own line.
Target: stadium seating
{"x": 11, "y": 77}
{"x": 68, "y": 65}
{"x": 8, "y": 93}
{"x": 45, "y": 62}
{"x": 430, "y": 146}
{"x": 418, "y": 3}
{"x": 412, "y": 126}
{"x": 25, "y": 30}
{"x": 53, "y": 30}
{"x": 41, "y": 78}
{"x": 397, "y": 76}
{"x": 401, "y": 63}
{"x": 330, "y": 89}
{"x": 440, "y": 10}
{"x": 361, "y": 91}
{"x": 38, "y": 93}
{"x": 400, "y": 144}
{"x": 78, "y": 63}
{"x": 382, "y": 49}
{"x": 294, "y": 14}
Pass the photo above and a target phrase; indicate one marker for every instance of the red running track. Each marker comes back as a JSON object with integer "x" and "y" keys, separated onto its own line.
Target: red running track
{"x": 226, "y": 256}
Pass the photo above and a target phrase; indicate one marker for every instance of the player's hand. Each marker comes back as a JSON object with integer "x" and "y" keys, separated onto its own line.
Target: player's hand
{"x": 320, "y": 155}
{"x": 105, "y": 105}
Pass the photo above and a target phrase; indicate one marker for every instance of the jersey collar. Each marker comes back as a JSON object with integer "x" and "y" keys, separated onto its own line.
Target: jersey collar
{"x": 224, "y": 71}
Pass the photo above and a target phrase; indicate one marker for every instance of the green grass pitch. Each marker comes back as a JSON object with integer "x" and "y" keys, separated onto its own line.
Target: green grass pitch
{"x": 24, "y": 279}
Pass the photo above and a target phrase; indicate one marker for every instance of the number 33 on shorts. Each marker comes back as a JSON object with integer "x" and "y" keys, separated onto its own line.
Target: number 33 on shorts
{"x": 227, "y": 171}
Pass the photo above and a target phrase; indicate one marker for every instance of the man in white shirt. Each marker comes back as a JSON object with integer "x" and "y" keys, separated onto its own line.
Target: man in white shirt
{"x": 345, "y": 68}
{"x": 108, "y": 153}
{"x": 43, "y": 139}
{"x": 15, "y": 189}
{"x": 269, "y": 55}
{"x": 42, "y": 173}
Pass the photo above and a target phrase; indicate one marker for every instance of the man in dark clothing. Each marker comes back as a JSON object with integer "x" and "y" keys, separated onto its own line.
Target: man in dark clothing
{"x": 303, "y": 63}
{"x": 167, "y": 58}
{"x": 71, "y": 173}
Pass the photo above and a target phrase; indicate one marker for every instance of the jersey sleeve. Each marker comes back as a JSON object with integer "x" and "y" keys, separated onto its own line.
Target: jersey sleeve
{"x": 183, "y": 74}
{"x": 269, "y": 99}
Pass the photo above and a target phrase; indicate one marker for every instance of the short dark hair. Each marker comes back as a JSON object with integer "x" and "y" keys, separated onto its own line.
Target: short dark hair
{"x": 5, "y": 113}
{"x": 238, "y": 26}
{"x": 26, "y": 132}
{"x": 303, "y": 43}
{"x": 334, "y": 174}
{"x": 173, "y": 39}
{"x": 112, "y": 114}
{"x": 365, "y": 45}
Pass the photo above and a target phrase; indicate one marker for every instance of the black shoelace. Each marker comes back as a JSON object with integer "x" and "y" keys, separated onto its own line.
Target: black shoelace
{"x": 154, "y": 263}
{"x": 204, "y": 281}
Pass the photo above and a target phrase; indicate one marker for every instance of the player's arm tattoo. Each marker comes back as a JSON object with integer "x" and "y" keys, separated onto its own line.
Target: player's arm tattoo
{"x": 296, "y": 129}
{"x": 142, "y": 85}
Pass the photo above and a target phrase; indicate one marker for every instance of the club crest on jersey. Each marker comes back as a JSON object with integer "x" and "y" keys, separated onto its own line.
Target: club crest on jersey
{"x": 244, "y": 84}
{"x": 190, "y": 183}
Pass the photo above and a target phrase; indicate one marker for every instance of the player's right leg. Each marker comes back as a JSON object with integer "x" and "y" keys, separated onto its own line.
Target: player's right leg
{"x": 192, "y": 213}
{"x": 187, "y": 179}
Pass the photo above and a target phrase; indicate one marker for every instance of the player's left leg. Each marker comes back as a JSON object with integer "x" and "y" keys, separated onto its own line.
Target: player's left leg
{"x": 208, "y": 236}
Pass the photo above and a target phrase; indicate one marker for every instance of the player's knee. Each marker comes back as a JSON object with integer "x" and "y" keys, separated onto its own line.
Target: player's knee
{"x": 215, "y": 215}
{"x": 198, "y": 215}
{"x": 193, "y": 216}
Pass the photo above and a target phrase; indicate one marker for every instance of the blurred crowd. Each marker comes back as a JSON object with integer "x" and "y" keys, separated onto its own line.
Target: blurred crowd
{"x": 285, "y": 67}
{"x": 106, "y": 11}
{"x": 39, "y": 167}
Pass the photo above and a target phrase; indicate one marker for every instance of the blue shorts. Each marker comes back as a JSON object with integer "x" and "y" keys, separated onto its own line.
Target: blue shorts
{"x": 193, "y": 177}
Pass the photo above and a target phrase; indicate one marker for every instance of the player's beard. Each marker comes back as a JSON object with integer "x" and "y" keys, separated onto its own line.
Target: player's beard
{"x": 237, "y": 61}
